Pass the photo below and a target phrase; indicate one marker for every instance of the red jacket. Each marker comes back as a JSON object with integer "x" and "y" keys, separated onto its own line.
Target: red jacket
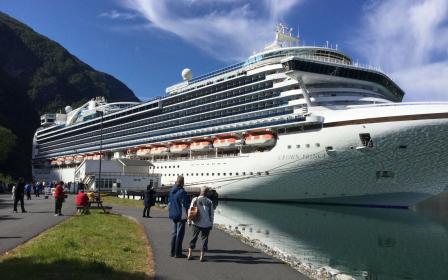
{"x": 59, "y": 192}
{"x": 81, "y": 199}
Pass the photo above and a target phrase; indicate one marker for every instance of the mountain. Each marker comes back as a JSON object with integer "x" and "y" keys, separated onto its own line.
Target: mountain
{"x": 37, "y": 75}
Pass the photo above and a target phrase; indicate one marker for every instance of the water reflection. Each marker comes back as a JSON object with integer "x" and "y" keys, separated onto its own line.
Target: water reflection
{"x": 367, "y": 243}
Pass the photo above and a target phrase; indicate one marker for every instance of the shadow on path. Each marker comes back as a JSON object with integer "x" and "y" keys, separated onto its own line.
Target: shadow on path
{"x": 24, "y": 268}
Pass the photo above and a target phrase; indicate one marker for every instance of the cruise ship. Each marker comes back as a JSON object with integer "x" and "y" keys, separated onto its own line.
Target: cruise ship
{"x": 291, "y": 123}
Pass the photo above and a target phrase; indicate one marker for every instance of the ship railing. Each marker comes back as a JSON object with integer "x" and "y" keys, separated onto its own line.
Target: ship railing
{"x": 117, "y": 174}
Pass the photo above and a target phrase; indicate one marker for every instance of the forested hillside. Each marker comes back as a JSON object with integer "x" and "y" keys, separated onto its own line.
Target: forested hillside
{"x": 37, "y": 75}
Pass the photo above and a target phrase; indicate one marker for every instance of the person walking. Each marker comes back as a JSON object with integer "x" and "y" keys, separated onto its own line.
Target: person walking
{"x": 202, "y": 221}
{"x": 178, "y": 202}
{"x": 19, "y": 193}
{"x": 148, "y": 200}
{"x": 59, "y": 197}
{"x": 28, "y": 191}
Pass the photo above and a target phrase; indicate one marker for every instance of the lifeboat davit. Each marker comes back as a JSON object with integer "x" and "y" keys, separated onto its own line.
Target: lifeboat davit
{"x": 179, "y": 148}
{"x": 78, "y": 159}
{"x": 131, "y": 152}
{"x": 68, "y": 160}
{"x": 143, "y": 152}
{"x": 225, "y": 142}
{"x": 159, "y": 150}
{"x": 201, "y": 145}
{"x": 260, "y": 139}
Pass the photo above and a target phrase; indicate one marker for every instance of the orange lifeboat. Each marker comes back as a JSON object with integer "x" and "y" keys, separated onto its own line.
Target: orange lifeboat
{"x": 179, "y": 148}
{"x": 260, "y": 139}
{"x": 143, "y": 152}
{"x": 89, "y": 156}
{"x": 59, "y": 161}
{"x": 201, "y": 145}
{"x": 98, "y": 156}
{"x": 68, "y": 160}
{"x": 54, "y": 162}
{"x": 225, "y": 142}
{"x": 78, "y": 159}
{"x": 159, "y": 150}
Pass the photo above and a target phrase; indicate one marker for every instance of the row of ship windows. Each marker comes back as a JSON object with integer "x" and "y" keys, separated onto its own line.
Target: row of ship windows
{"x": 217, "y": 97}
{"x": 218, "y": 174}
{"x": 213, "y": 89}
{"x": 118, "y": 137}
{"x": 209, "y": 116}
{"x": 81, "y": 135}
{"x": 306, "y": 145}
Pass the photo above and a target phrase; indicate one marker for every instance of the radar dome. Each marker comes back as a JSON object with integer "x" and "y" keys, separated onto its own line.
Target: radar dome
{"x": 68, "y": 109}
{"x": 186, "y": 74}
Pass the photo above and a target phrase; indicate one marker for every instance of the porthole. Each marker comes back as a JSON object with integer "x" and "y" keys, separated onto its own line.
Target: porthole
{"x": 197, "y": 174}
{"x": 307, "y": 145}
{"x": 213, "y": 174}
{"x": 317, "y": 145}
{"x": 207, "y": 174}
{"x": 202, "y": 174}
{"x": 244, "y": 173}
{"x": 219, "y": 174}
{"x": 251, "y": 173}
{"x": 258, "y": 173}
{"x": 289, "y": 146}
{"x": 230, "y": 174}
{"x": 178, "y": 166}
{"x": 224, "y": 174}
{"x": 298, "y": 146}
{"x": 236, "y": 174}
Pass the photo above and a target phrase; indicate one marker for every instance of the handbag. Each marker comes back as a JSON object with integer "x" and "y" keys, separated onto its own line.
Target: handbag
{"x": 193, "y": 214}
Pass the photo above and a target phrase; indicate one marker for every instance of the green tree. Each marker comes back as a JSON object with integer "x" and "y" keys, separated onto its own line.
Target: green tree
{"x": 7, "y": 143}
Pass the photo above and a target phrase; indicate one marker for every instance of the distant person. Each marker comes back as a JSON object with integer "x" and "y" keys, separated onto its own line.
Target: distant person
{"x": 13, "y": 191}
{"x": 148, "y": 201}
{"x": 59, "y": 197}
{"x": 178, "y": 202}
{"x": 82, "y": 202}
{"x": 19, "y": 193}
{"x": 213, "y": 196}
{"x": 28, "y": 188}
{"x": 203, "y": 222}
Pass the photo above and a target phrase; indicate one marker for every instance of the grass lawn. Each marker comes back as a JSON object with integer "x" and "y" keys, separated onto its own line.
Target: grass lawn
{"x": 96, "y": 246}
{"x": 122, "y": 201}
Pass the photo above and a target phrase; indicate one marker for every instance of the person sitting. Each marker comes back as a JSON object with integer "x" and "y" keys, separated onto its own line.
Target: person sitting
{"x": 82, "y": 202}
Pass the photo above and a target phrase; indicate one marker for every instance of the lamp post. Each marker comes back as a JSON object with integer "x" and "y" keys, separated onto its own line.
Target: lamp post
{"x": 101, "y": 150}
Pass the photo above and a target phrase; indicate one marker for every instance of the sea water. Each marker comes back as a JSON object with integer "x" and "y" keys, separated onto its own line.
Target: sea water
{"x": 366, "y": 243}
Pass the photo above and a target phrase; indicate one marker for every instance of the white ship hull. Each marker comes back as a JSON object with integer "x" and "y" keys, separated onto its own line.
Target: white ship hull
{"x": 407, "y": 164}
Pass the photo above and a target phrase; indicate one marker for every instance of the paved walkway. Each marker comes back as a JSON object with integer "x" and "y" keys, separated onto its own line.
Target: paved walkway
{"x": 16, "y": 228}
{"x": 227, "y": 258}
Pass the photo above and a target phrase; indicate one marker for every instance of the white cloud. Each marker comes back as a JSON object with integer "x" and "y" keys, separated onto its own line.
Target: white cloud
{"x": 118, "y": 15}
{"x": 409, "y": 39}
{"x": 226, "y": 29}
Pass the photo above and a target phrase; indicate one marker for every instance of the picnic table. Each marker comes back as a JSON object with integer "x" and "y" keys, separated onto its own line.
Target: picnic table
{"x": 99, "y": 203}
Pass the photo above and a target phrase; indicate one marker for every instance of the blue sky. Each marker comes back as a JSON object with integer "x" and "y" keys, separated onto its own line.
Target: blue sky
{"x": 147, "y": 43}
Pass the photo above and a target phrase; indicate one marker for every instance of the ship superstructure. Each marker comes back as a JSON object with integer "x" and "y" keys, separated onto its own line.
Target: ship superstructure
{"x": 292, "y": 122}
